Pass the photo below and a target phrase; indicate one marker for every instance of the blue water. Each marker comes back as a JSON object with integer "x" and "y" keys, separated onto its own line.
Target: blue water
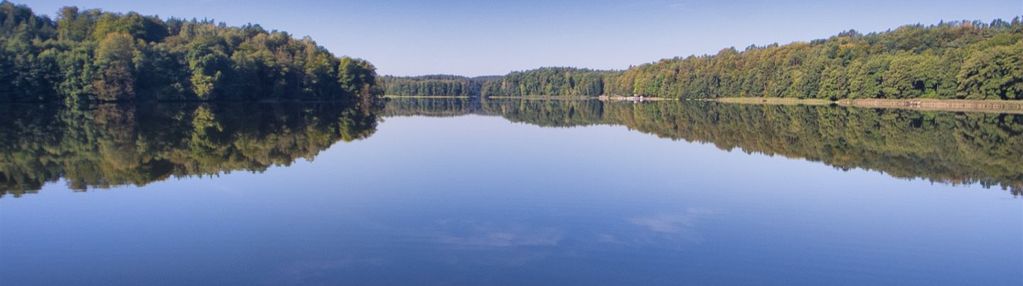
{"x": 478, "y": 200}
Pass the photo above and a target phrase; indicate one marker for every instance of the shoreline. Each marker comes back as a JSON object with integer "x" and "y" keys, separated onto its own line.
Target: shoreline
{"x": 542, "y": 97}
{"x": 427, "y": 96}
{"x": 635, "y": 98}
{"x": 952, "y": 105}
{"x": 583, "y": 97}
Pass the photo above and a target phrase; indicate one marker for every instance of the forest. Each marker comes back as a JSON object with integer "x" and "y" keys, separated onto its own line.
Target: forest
{"x": 548, "y": 81}
{"x": 432, "y": 85}
{"x": 953, "y": 60}
{"x": 949, "y": 60}
{"x": 95, "y": 56}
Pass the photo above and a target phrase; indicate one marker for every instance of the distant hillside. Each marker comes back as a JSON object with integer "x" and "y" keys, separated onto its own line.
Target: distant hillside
{"x": 543, "y": 81}
{"x": 430, "y": 85}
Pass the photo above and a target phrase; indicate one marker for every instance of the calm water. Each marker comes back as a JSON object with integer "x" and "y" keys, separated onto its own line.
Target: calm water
{"x": 458, "y": 192}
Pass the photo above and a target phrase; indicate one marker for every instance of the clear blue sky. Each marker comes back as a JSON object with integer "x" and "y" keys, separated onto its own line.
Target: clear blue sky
{"x": 407, "y": 37}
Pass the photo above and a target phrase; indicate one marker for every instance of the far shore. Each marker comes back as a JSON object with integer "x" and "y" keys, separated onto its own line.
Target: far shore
{"x": 634, "y": 98}
{"x": 544, "y": 97}
{"x": 420, "y": 96}
{"x": 954, "y": 105}
{"x": 582, "y": 97}
{"x": 995, "y": 106}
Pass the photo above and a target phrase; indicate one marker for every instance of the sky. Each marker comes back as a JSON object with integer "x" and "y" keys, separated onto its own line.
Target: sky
{"x": 407, "y": 37}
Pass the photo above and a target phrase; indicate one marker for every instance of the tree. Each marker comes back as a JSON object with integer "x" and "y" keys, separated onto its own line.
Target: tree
{"x": 115, "y": 59}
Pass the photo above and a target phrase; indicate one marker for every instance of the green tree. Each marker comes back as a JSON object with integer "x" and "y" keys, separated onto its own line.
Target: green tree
{"x": 115, "y": 59}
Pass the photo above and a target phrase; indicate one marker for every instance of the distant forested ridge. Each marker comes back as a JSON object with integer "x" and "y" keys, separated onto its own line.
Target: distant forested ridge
{"x": 548, "y": 81}
{"x": 551, "y": 81}
{"x": 94, "y": 56}
{"x": 432, "y": 85}
{"x": 955, "y": 60}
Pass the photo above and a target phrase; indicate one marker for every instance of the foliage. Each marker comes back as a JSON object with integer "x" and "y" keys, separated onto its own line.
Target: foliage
{"x": 431, "y": 85}
{"x": 957, "y": 60}
{"x": 95, "y": 56}
{"x": 549, "y": 82}
{"x": 553, "y": 81}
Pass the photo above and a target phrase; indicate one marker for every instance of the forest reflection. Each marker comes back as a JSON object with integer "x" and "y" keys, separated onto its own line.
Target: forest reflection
{"x": 110, "y": 145}
{"x": 113, "y": 145}
{"x": 942, "y": 147}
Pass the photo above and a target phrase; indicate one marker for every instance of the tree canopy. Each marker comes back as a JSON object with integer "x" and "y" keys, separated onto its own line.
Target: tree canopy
{"x": 550, "y": 81}
{"x": 432, "y": 85}
{"x": 953, "y": 60}
{"x": 95, "y": 56}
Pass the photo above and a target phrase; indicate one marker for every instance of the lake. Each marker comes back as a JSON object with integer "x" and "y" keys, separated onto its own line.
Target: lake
{"x": 508, "y": 192}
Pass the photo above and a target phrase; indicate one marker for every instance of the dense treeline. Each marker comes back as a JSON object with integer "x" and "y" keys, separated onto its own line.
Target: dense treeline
{"x": 432, "y": 85}
{"x": 960, "y": 60}
{"x": 92, "y": 56}
{"x": 555, "y": 81}
{"x": 551, "y": 81}
{"x": 942, "y": 147}
{"x": 134, "y": 144}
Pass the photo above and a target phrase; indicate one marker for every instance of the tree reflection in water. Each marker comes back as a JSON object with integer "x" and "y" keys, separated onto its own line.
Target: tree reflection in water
{"x": 112, "y": 145}
{"x": 944, "y": 147}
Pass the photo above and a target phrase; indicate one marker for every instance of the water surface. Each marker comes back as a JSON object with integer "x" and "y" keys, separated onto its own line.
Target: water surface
{"x": 463, "y": 192}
